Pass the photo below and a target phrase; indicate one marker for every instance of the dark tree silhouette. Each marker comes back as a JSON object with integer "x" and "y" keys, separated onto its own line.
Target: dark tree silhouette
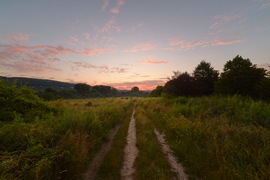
{"x": 157, "y": 92}
{"x": 207, "y": 76}
{"x": 240, "y": 76}
{"x": 82, "y": 88}
{"x": 183, "y": 85}
{"x": 135, "y": 89}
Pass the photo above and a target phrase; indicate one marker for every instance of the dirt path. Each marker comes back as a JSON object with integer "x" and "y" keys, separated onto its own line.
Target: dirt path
{"x": 176, "y": 167}
{"x": 97, "y": 160}
{"x": 131, "y": 151}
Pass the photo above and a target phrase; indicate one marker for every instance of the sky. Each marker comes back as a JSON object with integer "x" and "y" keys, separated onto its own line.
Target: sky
{"x": 127, "y": 43}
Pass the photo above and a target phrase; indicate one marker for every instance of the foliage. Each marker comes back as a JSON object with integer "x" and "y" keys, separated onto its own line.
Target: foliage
{"x": 207, "y": 76}
{"x": 263, "y": 89}
{"x": 58, "y": 146}
{"x": 157, "y": 92}
{"x": 240, "y": 76}
{"x": 20, "y": 102}
{"x": 183, "y": 85}
{"x": 82, "y": 88}
{"x": 215, "y": 137}
{"x": 135, "y": 89}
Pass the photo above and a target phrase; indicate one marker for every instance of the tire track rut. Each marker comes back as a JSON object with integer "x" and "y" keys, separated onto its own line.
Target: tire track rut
{"x": 131, "y": 151}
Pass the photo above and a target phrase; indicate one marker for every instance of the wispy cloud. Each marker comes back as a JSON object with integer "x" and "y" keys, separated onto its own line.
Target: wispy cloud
{"x": 188, "y": 45}
{"x": 138, "y": 26}
{"x": 45, "y": 51}
{"x": 150, "y": 59}
{"x": 218, "y": 42}
{"x": 263, "y": 3}
{"x": 17, "y": 38}
{"x": 141, "y": 47}
{"x": 110, "y": 26}
{"x": 102, "y": 69}
{"x": 143, "y": 85}
{"x": 105, "y": 5}
{"x": 37, "y": 58}
{"x": 224, "y": 19}
{"x": 154, "y": 62}
{"x": 119, "y": 4}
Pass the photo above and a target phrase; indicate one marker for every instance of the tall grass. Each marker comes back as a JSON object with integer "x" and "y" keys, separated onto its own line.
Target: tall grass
{"x": 216, "y": 137}
{"x": 58, "y": 146}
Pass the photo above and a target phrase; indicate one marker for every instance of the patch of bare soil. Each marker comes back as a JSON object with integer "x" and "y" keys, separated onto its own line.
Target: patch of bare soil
{"x": 176, "y": 167}
{"x": 131, "y": 151}
{"x": 97, "y": 160}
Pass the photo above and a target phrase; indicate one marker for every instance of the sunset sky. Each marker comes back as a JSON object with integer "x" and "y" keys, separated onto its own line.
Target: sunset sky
{"x": 126, "y": 43}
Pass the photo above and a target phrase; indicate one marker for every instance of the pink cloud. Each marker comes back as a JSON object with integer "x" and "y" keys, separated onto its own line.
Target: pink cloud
{"x": 188, "y": 45}
{"x": 110, "y": 26}
{"x": 141, "y": 47}
{"x": 105, "y": 5}
{"x": 116, "y": 9}
{"x": 150, "y": 59}
{"x": 139, "y": 25}
{"x": 143, "y": 85}
{"x": 102, "y": 69}
{"x": 19, "y": 37}
{"x": 154, "y": 62}
{"x": 47, "y": 51}
{"x": 223, "y": 19}
{"x": 91, "y": 51}
{"x": 38, "y": 58}
{"x": 220, "y": 42}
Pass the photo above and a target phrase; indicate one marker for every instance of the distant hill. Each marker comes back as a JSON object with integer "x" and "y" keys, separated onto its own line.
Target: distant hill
{"x": 39, "y": 84}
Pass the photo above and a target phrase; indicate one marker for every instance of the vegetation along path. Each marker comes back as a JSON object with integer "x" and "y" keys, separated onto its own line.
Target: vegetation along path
{"x": 96, "y": 162}
{"x": 176, "y": 167}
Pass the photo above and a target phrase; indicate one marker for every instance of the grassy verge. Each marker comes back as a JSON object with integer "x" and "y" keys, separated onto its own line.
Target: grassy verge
{"x": 61, "y": 145}
{"x": 216, "y": 137}
{"x": 151, "y": 163}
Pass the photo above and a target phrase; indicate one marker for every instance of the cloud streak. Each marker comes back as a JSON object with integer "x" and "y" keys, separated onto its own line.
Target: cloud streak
{"x": 224, "y": 19}
{"x": 152, "y": 60}
{"x": 116, "y": 9}
{"x": 141, "y": 47}
{"x": 105, "y": 5}
{"x": 143, "y": 85}
{"x": 188, "y": 45}
{"x": 37, "y": 58}
{"x": 102, "y": 69}
{"x": 17, "y": 38}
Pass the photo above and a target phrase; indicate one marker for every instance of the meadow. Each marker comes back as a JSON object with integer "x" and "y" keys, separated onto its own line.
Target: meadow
{"x": 214, "y": 137}
{"x": 61, "y": 145}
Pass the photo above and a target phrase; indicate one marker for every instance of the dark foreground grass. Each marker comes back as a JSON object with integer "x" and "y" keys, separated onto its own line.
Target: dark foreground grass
{"x": 216, "y": 137}
{"x": 58, "y": 146}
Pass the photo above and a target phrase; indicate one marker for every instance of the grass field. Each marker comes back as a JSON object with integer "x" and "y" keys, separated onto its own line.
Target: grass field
{"x": 213, "y": 137}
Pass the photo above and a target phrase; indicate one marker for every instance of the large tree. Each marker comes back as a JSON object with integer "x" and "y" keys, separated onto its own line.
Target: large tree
{"x": 157, "y": 92}
{"x": 207, "y": 77}
{"x": 82, "y": 88}
{"x": 240, "y": 76}
{"x": 183, "y": 85}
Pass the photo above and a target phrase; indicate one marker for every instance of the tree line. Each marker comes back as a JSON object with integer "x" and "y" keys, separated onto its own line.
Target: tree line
{"x": 83, "y": 90}
{"x": 239, "y": 77}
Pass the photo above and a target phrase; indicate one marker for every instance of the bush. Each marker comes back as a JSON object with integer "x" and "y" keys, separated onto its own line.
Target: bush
{"x": 20, "y": 101}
